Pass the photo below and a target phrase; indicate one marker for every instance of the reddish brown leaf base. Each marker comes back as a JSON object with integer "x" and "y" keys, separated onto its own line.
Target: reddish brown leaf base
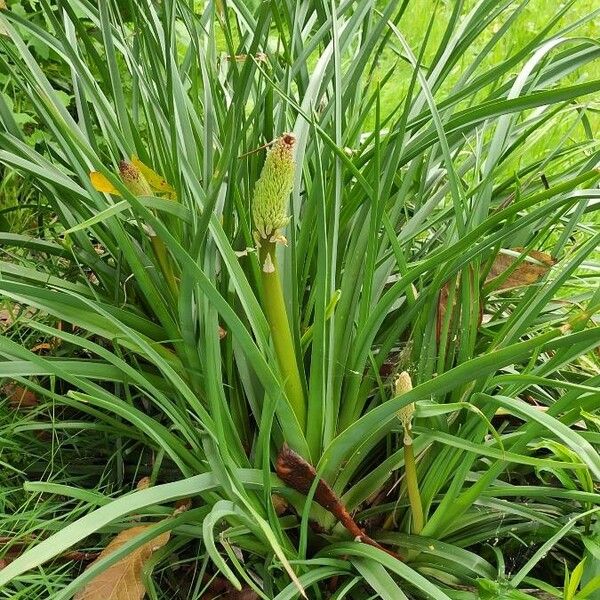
{"x": 300, "y": 475}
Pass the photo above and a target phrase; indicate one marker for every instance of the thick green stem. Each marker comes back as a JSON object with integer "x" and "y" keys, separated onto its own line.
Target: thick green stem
{"x": 274, "y": 307}
{"x": 412, "y": 485}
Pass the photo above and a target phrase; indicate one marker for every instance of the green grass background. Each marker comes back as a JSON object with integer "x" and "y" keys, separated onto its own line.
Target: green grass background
{"x": 420, "y": 12}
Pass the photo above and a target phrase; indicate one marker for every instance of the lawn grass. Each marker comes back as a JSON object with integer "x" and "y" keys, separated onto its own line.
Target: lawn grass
{"x": 531, "y": 19}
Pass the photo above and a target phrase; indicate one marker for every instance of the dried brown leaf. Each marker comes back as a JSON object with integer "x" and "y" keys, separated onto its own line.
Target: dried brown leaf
{"x": 525, "y": 273}
{"x": 123, "y": 580}
{"x": 10, "y": 312}
{"x": 143, "y": 483}
{"x": 20, "y": 397}
{"x": 6, "y": 316}
{"x": 279, "y": 504}
{"x": 220, "y": 588}
{"x": 182, "y": 505}
{"x": 14, "y": 547}
{"x": 44, "y": 347}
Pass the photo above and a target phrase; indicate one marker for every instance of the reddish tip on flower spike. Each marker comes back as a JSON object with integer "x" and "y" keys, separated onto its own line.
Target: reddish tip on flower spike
{"x": 288, "y": 139}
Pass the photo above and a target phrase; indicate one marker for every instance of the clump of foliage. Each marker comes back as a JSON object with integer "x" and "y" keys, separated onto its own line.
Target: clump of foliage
{"x": 355, "y": 340}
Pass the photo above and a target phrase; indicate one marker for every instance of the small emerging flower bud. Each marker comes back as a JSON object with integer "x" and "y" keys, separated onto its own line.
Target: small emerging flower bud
{"x": 134, "y": 180}
{"x": 273, "y": 189}
{"x": 403, "y": 384}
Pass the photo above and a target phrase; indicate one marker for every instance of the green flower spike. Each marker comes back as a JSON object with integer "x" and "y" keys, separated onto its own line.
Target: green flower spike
{"x": 272, "y": 191}
{"x": 403, "y": 384}
{"x": 135, "y": 182}
{"x": 268, "y": 211}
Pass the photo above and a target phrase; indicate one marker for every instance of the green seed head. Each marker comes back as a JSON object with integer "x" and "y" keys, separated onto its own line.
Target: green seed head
{"x": 273, "y": 189}
{"x": 131, "y": 176}
{"x": 403, "y": 384}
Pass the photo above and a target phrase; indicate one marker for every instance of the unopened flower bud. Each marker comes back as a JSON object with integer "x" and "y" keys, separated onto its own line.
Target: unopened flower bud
{"x": 273, "y": 189}
{"x": 403, "y": 384}
{"x": 133, "y": 179}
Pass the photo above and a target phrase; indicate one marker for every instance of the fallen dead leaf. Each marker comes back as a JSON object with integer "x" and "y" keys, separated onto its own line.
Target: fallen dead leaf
{"x": 47, "y": 346}
{"x": 219, "y": 588}
{"x": 525, "y": 273}
{"x": 143, "y": 483}
{"x": 80, "y": 556}
{"x": 123, "y": 580}
{"x": 13, "y": 548}
{"x": 528, "y": 271}
{"x": 182, "y": 505}
{"x": 19, "y": 396}
{"x": 9, "y": 314}
{"x": 43, "y": 347}
{"x": 279, "y": 504}
{"x": 6, "y": 317}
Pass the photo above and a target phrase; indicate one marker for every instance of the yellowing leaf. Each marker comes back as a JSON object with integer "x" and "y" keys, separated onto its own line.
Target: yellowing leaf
{"x": 528, "y": 271}
{"x": 102, "y": 184}
{"x": 3, "y": 5}
{"x": 123, "y": 580}
{"x": 156, "y": 181}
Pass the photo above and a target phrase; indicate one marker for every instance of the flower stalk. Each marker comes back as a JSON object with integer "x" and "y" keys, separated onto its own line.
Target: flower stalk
{"x": 268, "y": 211}
{"x": 402, "y": 385}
